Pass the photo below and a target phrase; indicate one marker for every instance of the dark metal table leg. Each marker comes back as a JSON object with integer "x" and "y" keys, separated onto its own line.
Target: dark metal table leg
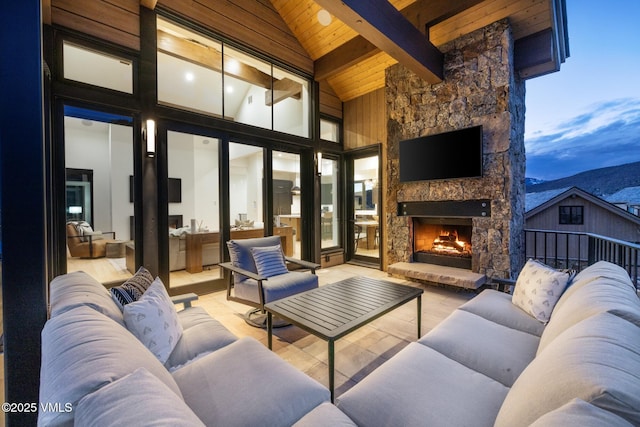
{"x": 331, "y": 368}
{"x": 269, "y": 330}
{"x": 419, "y": 315}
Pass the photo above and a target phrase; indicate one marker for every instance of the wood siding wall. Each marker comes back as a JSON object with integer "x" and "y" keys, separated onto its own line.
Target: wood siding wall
{"x": 329, "y": 102}
{"x": 596, "y": 220}
{"x": 365, "y": 121}
{"x": 253, "y": 23}
{"x": 117, "y": 21}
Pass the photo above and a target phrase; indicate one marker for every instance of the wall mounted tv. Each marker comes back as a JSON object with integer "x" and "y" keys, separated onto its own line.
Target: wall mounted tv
{"x": 455, "y": 154}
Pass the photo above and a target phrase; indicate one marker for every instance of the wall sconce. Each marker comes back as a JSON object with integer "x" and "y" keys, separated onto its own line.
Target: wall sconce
{"x": 319, "y": 163}
{"x": 149, "y": 137}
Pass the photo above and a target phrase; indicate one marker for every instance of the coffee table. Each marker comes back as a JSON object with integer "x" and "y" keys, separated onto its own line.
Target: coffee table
{"x": 332, "y": 311}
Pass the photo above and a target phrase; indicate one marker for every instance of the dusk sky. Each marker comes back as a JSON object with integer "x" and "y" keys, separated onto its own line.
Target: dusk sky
{"x": 587, "y": 115}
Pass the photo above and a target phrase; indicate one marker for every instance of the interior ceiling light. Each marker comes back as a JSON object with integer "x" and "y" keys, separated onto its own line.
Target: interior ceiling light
{"x": 189, "y": 76}
{"x": 324, "y": 17}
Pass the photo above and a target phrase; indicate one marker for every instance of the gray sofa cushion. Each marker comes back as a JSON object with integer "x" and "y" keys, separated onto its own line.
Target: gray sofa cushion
{"x": 421, "y": 387}
{"x": 134, "y": 400}
{"x": 596, "y": 360}
{"x": 245, "y": 384}
{"x": 579, "y": 413}
{"x": 599, "y": 288}
{"x": 325, "y": 415}
{"x": 200, "y": 334}
{"x": 492, "y": 349}
{"x": 83, "y": 350}
{"x": 78, "y": 288}
{"x": 497, "y": 307}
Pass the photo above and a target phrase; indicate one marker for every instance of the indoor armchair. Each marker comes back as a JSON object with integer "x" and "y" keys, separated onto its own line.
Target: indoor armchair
{"x": 259, "y": 274}
{"x": 83, "y": 242}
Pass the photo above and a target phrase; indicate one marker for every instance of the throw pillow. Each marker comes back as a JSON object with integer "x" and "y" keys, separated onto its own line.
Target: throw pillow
{"x": 153, "y": 319}
{"x": 132, "y": 289}
{"x": 84, "y": 229}
{"x": 269, "y": 260}
{"x": 538, "y": 289}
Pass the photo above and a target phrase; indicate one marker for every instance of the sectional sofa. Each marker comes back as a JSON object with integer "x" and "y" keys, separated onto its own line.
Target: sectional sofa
{"x": 567, "y": 359}
{"x": 562, "y": 351}
{"x": 100, "y": 373}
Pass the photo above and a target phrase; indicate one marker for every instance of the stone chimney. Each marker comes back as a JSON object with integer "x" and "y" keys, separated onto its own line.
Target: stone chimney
{"x": 480, "y": 88}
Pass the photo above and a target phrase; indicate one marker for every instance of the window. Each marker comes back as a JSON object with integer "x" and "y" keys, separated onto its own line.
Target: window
{"x": 194, "y": 208}
{"x": 98, "y": 210}
{"x": 329, "y": 203}
{"x": 246, "y": 173}
{"x": 329, "y": 130}
{"x": 572, "y": 215}
{"x": 96, "y": 68}
{"x": 205, "y": 75}
{"x": 287, "y": 194}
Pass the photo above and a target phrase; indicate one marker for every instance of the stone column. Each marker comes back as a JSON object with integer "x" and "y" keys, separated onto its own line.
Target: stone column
{"x": 480, "y": 88}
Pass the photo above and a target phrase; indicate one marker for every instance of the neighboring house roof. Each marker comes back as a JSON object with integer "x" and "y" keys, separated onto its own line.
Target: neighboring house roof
{"x": 629, "y": 195}
{"x": 533, "y": 200}
{"x": 575, "y": 191}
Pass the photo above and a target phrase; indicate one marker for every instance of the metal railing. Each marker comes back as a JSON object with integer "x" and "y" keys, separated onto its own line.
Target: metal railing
{"x": 565, "y": 249}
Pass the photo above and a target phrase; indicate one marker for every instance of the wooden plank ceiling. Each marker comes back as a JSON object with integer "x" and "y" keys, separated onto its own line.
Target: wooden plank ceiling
{"x": 353, "y": 51}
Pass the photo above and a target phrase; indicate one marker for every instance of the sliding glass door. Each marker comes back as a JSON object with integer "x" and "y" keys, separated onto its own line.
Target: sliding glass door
{"x": 193, "y": 197}
{"x": 98, "y": 199}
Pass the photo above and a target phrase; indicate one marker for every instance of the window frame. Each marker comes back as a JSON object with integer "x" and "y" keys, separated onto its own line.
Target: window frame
{"x": 571, "y": 215}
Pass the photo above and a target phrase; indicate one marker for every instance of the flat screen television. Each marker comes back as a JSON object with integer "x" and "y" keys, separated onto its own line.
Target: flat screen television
{"x": 455, "y": 154}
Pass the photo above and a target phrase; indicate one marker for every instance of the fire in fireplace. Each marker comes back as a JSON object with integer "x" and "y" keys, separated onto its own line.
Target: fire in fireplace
{"x": 443, "y": 241}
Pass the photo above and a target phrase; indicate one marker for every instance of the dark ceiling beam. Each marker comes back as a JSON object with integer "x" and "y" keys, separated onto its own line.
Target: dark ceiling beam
{"x": 352, "y": 52}
{"x": 422, "y": 14}
{"x": 385, "y": 27}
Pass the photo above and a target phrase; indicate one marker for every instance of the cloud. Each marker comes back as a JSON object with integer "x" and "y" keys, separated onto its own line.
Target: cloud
{"x": 608, "y": 134}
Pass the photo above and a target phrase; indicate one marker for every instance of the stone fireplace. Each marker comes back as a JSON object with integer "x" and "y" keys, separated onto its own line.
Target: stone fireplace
{"x": 443, "y": 241}
{"x": 483, "y": 231}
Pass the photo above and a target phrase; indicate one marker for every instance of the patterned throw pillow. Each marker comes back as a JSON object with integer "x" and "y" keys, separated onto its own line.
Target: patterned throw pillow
{"x": 269, "y": 260}
{"x": 153, "y": 319}
{"x": 538, "y": 289}
{"x": 133, "y": 288}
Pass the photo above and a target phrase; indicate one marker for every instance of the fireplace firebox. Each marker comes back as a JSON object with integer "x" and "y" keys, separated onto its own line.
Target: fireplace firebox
{"x": 443, "y": 241}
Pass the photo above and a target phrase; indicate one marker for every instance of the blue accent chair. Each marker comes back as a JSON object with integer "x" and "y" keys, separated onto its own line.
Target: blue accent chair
{"x": 245, "y": 285}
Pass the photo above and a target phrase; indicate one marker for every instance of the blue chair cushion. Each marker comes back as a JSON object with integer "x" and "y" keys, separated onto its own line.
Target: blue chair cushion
{"x": 269, "y": 260}
{"x": 277, "y": 287}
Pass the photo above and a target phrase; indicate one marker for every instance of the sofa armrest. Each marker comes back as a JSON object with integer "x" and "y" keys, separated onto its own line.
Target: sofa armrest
{"x": 503, "y": 285}
{"x": 184, "y": 299}
{"x": 305, "y": 264}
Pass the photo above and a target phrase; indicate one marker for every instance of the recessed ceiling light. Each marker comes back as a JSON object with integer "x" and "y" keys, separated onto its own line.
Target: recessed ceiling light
{"x": 188, "y": 76}
{"x": 324, "y": 17}
{"x": 229, "y": 89}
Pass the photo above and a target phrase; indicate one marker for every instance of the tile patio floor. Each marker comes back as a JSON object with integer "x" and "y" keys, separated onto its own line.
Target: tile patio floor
{"x": 360, "y": 352}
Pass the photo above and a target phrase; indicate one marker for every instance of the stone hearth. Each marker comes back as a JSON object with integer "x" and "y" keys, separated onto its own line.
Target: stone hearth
{"x": 480, "y": 88}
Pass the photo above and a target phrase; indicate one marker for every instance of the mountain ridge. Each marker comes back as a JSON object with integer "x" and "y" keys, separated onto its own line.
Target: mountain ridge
{"x": 599, "y": 182}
